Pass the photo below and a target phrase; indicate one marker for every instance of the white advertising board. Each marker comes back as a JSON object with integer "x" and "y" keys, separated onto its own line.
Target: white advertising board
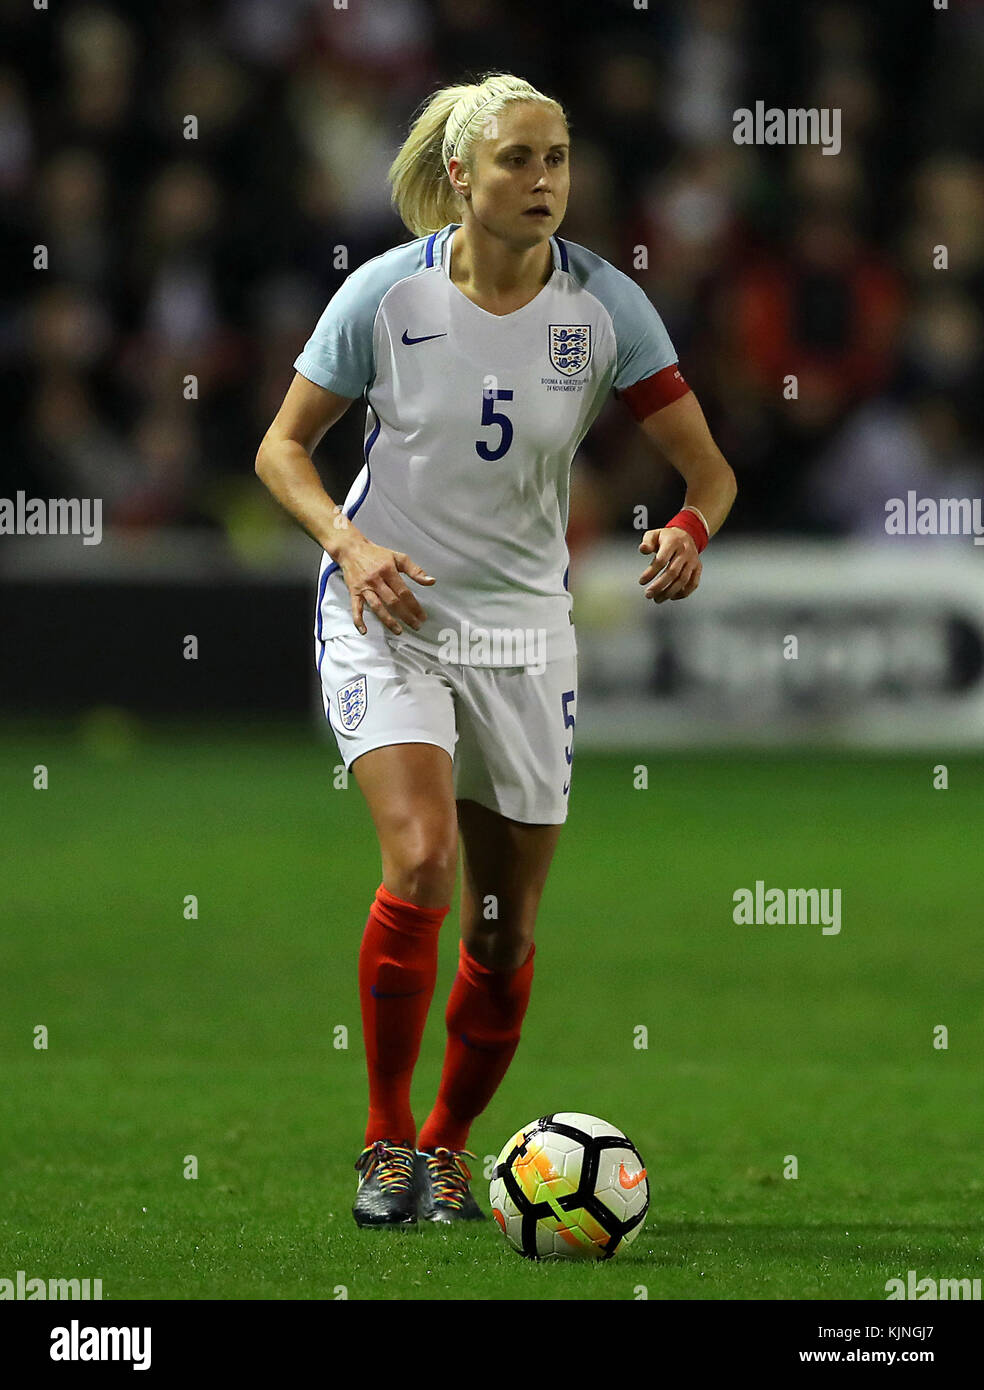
{"x": 813, "y": 642}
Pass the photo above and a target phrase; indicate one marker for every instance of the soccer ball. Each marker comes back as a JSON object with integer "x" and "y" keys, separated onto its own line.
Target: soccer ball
{"x": 569, "y": 1186}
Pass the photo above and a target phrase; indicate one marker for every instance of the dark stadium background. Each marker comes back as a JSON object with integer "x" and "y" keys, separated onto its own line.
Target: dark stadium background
{"x": 215, "y": 256}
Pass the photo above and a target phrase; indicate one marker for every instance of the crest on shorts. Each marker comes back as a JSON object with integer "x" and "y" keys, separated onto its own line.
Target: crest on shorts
{"x": 570, "y": 347}
{"x": 352, "y": 701}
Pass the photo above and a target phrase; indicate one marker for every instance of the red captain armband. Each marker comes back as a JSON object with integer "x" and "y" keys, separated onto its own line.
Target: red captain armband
{"x": 690, "y": 521}
{"x": 653, "y": 392}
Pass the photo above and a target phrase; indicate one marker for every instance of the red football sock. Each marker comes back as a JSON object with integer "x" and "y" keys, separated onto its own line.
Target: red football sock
{"x": 397, "y": 971}
{"x": 484, "y": 1016}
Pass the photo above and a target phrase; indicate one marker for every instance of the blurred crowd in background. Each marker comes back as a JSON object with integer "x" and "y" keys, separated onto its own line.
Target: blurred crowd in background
{"x": 214, "y": 257}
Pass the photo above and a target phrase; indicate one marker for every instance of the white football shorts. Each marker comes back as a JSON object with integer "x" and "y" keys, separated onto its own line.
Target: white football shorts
{"x": 509, "y": 731}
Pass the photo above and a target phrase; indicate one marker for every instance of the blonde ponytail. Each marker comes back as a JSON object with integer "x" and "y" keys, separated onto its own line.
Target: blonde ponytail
{"x": 446, "y": 126}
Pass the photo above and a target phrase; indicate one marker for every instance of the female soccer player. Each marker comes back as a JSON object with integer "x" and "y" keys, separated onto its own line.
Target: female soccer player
{"x": 484, "y": 350}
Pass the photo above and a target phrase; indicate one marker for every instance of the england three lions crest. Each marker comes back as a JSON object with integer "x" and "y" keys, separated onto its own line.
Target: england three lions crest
{"x": 570, "y": 347}
{"x": 352, "y": 702}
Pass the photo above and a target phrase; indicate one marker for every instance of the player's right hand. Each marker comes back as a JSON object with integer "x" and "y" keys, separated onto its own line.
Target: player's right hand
{"x": 372, "y": 576}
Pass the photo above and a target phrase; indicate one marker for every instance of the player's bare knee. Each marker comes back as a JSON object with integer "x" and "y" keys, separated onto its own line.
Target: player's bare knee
{"x": 499, "y": 948}
{"x": 425, "y": 866}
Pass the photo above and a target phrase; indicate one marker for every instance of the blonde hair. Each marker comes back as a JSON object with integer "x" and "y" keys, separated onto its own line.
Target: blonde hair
{"x": 446, "y": 127}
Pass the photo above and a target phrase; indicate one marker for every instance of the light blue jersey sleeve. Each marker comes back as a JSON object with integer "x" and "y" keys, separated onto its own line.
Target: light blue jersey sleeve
{"x": 339, "y": 353}
{"x": 643, "y": 345}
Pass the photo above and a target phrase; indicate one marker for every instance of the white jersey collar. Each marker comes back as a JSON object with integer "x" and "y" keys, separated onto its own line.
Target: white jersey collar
{"x": 442, "y": 248}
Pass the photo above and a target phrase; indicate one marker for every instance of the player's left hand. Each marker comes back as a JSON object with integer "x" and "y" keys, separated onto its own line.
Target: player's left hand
{"x": 676, "y": 563}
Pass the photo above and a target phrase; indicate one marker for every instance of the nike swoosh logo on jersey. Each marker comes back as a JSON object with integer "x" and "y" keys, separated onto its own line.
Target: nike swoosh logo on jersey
{"x": 425, "y": 339}
{"x": 378, "y": 994}
{"x": 627, "y": 1182}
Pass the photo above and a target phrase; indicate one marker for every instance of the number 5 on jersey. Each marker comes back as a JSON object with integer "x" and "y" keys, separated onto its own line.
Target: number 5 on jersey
{"x": 491, "y": 416}
{"x": 565, "y": 700}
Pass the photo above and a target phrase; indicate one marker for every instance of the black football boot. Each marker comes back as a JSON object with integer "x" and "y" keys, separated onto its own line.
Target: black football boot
{"x": 388, "y": 1183}
{"x": 443, "y": 1178}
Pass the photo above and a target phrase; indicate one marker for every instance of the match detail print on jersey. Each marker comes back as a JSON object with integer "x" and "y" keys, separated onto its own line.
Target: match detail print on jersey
{"x": 472, "y": 422}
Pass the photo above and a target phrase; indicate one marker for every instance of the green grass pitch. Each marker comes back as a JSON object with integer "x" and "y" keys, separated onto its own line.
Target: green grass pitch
{"x": 215, "y": 1037}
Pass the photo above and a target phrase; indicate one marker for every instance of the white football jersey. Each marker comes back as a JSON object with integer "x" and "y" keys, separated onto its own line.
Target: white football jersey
{"x": 472, "y": 423}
